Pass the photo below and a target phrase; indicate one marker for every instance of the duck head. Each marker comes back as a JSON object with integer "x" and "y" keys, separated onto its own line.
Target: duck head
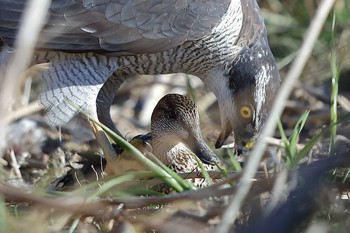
{"x": 175, "y": 120}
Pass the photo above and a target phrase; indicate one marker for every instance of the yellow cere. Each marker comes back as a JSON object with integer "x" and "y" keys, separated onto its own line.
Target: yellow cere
{"x": 249, "y": 144}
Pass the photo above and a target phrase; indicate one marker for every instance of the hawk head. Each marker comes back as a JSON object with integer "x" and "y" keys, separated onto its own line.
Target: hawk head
{"x": 251, "y": 82}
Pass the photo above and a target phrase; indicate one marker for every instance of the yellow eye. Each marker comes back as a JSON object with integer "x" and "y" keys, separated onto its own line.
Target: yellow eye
{"x": 245, "y": 112}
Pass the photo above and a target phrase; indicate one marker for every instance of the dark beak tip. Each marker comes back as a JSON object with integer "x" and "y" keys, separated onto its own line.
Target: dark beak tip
{"x": 205, "y": 154}
{"x": 212, "y": 160}
{"x": 219, "y": 143}
{"x": 215, "y": 159}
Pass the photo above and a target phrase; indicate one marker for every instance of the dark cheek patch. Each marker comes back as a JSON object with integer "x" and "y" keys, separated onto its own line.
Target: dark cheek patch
{"x": 243, "y": 71}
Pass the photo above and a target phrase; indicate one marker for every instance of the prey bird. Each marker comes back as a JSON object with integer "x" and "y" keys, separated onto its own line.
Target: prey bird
{"x": 175, "y": 135}
{"x": 93, "y": 46}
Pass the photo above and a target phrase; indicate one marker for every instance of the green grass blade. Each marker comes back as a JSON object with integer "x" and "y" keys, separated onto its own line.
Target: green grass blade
{"x": 311, "y": 143}
{"x": 317, "y": 137}
{"x": 163, "y": 174}
{"x": 335, "y": 69}
{"x": 286, "y": 143}
{"x": 186, "y": 185}
{"x": 236, "y": 166}
{"x": 203, "y": 170}
{"x": 113, "y": 183}
{"x": 223, "y": 170}
{"x": 296, "y": 132}
{"x": 3, "y": 217}
{"x": 346, "y": 175}
{"x": 291, "y": 144}
{"x": 295, "y": 136}
{"x": 166, "y": 177}
{"x": 74, "y": 225}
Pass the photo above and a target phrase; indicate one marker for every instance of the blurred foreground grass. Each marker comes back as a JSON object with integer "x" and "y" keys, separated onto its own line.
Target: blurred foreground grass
{"x": 116, "y": 205}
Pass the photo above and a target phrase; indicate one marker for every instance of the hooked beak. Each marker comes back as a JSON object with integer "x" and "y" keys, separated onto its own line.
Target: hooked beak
{"x": 226, "y": 131}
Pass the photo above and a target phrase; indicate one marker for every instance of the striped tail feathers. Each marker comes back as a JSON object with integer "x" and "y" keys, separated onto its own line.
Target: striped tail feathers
{"x": 72, "y": 86}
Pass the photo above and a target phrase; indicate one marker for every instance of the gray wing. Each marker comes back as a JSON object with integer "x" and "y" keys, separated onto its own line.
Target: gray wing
{"x": 124, "y": 26}
{"x": 253, "y": 26}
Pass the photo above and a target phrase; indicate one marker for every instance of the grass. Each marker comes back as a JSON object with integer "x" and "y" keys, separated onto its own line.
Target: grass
{"x": 235, "y": 164}
{"x": 335, "y": 68}
{"x": 293, "y": 155}
{"x": 37, "y": 210}
{"x": 166, "y": 174}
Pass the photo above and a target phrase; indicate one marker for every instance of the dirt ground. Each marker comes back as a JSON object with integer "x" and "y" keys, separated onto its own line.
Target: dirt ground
{"x": 53, "y": 179}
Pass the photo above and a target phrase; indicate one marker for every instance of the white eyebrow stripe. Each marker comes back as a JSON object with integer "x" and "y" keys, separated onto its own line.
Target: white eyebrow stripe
{"x": 260, "y": 94}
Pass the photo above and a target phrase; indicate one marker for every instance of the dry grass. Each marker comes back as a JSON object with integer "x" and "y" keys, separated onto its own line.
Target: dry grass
{"x": 35, "y": 155}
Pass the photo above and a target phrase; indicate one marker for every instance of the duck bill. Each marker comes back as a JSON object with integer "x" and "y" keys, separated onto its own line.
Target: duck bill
{"x": 226, "y": 131}
{"x": 203, "y": 151}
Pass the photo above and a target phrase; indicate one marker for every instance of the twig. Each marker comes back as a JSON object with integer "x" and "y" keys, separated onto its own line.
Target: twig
{"x": 85, "y": 205}
{"x": 279, "y": 143}
{"x": 344, "y": 102}
{"x": 77, "y": 179}
{"x": 75, "y": 204}
{"x": 15, "y": 165}
{"x": 32, "y": 22}
{"x": 31, "y": 108}
{"x": 138, "y": 202}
